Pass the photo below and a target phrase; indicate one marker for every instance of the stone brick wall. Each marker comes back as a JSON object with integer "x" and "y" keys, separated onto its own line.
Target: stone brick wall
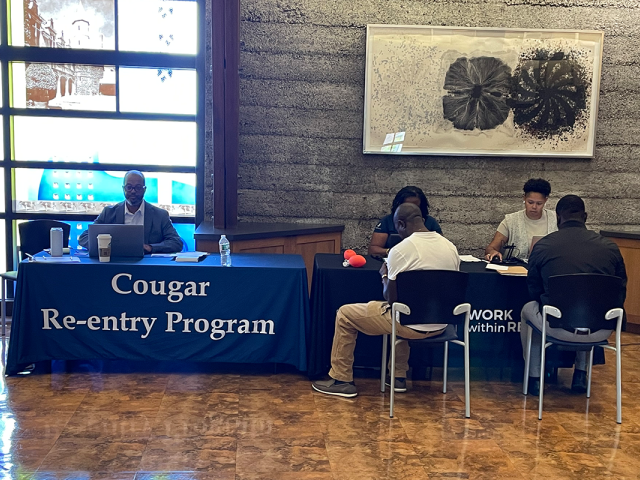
{"x": 301, "y": 114}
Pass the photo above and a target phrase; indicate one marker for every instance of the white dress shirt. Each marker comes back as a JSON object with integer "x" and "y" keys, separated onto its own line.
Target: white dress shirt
{"x": 136, "y": 218}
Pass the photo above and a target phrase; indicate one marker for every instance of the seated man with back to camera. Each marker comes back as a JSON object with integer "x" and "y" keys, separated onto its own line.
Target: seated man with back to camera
{"x": 160, "y": 236}
{"x": 420, "y": 249}
{"x": 572, "y": 249}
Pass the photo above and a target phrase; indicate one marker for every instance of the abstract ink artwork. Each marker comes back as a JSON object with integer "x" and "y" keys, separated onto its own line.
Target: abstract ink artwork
{"x": 467, "y": 91}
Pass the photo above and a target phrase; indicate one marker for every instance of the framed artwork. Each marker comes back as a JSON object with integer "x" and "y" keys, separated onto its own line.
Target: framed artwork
{"x": 481, "y": 91}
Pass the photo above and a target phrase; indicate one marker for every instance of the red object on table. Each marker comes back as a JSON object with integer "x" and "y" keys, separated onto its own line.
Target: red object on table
{"x": 348, "y": 254}
{"x": 357, "y": 261}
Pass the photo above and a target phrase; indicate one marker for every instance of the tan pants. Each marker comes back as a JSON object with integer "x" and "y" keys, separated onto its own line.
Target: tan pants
{"x": 373, "y": 318}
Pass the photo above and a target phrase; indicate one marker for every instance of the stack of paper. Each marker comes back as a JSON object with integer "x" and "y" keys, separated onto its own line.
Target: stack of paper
{"x": 514, "y": 271}
{"x": 191, "y": 257}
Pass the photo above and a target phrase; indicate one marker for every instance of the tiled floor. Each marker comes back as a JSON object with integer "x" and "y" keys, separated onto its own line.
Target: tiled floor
{"x": 114, "y": 421}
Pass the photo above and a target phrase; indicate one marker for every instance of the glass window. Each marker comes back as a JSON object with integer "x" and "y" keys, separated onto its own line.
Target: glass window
{"x": 158, "y": 26}
{"x": 76, "y": 230}
{"x": 186, "y": 231}
{"x": 63, "y": 23}
{"x": 2, "y": 206}
{"x": 134, "y": 142}
{"x": 88, "y": 192}
{"x": 64, "y": 86}
{"x": 133, "y": 115}
{"x": 157, "y": 90}
{"x": 3, "y": 260}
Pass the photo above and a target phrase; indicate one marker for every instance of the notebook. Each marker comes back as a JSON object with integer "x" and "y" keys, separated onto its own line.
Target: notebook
{"x": 126, "y": 240}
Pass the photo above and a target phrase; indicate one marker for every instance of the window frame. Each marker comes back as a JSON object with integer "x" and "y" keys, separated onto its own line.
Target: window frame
{"x": 119, "y": 59}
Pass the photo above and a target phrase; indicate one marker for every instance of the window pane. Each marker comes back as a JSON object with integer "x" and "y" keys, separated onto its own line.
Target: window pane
{"x": 156, "y": 90}
{"x": 158, "y": 26}
{"x": 76, "y": 230}
{"x": 134, "y": 142}
{"x": 3, "y": 240}
{"x": 88, "y": 192}
{"x": 64, "y": 86}
{"x": 2, "y": 206}
{"x": 63, "y": 23}
{"x": 186, "y": 231}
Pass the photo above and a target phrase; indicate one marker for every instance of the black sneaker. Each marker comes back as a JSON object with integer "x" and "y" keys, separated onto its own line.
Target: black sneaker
{"x": 400, "y": 384}
{"x": 331, "y": 387}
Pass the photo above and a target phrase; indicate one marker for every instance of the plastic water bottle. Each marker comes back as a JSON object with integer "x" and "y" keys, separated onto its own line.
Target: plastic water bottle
{"x": 225, "y": 251}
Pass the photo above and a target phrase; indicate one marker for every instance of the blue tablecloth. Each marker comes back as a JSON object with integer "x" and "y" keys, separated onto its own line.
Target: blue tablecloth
{"x": 156, "y": 309}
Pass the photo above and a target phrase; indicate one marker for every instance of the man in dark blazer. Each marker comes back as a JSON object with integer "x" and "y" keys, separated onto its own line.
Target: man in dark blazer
{"x": 159, "y": 234}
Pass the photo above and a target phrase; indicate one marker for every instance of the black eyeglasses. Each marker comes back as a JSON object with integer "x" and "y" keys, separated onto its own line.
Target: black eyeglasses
{"x": 130, "y": 188}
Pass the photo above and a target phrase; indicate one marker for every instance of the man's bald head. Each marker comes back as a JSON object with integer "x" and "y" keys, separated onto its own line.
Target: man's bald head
{"x": 408, "y": 219}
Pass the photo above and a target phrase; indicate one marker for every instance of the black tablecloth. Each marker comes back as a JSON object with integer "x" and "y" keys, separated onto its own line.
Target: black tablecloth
{"x": 496, "y": 302}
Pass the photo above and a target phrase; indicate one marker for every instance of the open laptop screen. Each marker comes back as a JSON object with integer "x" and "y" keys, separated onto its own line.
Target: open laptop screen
{"x": 126, "y": 240}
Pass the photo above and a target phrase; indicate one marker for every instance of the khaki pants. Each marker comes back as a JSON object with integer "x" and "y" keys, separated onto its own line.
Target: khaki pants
{"x": 373, "y": 318}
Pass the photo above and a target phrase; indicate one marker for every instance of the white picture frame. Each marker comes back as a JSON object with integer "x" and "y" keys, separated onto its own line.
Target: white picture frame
{"x": 481, "y": 91}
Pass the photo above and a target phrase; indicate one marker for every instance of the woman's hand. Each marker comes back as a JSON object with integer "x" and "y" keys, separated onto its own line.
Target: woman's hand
{"x": 493, "y": 249}
{"x": 491, "y": 255}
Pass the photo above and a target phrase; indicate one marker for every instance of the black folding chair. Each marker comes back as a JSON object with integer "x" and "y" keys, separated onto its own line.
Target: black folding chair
{"x": 435, "y": 297}
{"x": 34, "y": 237}
{"x": 580, "y": 303}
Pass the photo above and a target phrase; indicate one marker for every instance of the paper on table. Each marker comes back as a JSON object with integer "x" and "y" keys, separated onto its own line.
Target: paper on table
{"x": 163, "y": 255}
{"x": 469, "y": 258}
{"x": 55, "y": 259}
{"x": 493, "y": 266}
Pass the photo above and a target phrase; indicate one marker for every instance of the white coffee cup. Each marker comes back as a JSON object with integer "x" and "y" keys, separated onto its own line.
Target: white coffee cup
{"x": 104, "y": 247}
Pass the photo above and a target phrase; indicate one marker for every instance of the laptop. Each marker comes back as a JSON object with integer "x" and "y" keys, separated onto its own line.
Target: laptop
{"x": 534, "y": 240}
{"x": 126, "y": 240}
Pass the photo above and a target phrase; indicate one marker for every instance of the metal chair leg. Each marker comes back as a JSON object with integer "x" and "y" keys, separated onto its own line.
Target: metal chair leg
{"x": 527, "y": 362}
{"x": 467, "y": 393}
{"x": 618, "y": 384}
{"x": 542, "y": 360}
{"x": 392, "y": 375}
{"x": 446, "y": 365}
{"x": 590, "y": 367}
{"x": 383, "y": 367}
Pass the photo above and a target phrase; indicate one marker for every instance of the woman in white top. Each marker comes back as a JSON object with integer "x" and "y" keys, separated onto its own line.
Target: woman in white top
{"x": 519, "y": 228}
